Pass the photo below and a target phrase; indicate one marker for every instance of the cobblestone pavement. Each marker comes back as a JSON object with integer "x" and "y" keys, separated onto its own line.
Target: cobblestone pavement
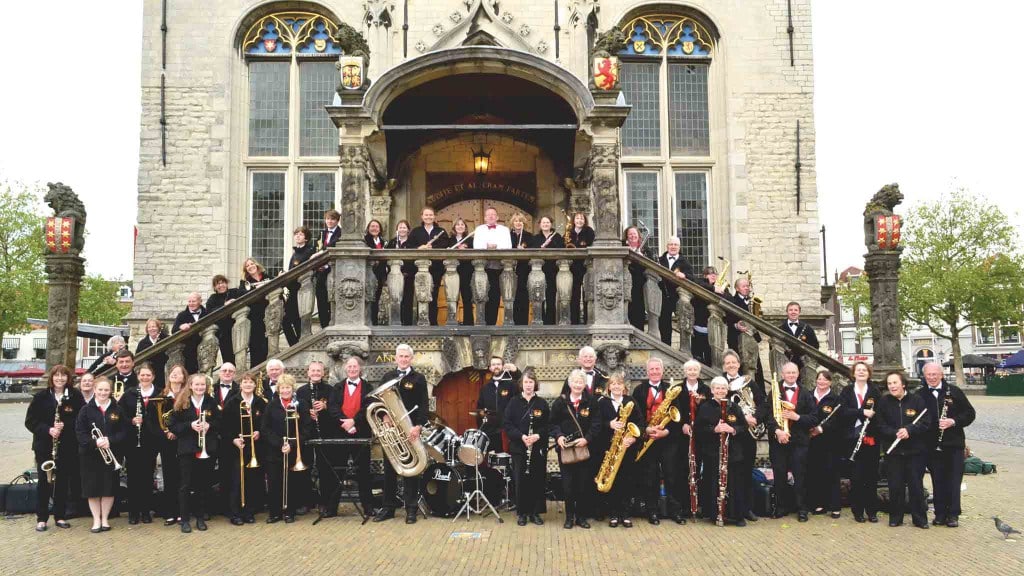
{"x": 1000, "y": 420}
{"x": 481, "y": 546}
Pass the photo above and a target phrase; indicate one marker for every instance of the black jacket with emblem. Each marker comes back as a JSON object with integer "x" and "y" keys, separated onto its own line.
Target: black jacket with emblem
{"x": 709, "y": 414}
{"x": 188, "y": 439}
{"x": 799, "y": 430}
{"x": 40, "y": 416}
{"x": 894, "y": 414}
{"x": 518, "y": 415}
{"x": 413, "y": 389}
{"x": 959, "y": 409}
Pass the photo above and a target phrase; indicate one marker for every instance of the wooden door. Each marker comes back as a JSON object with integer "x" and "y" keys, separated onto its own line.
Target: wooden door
{"x": 456, "y": 395}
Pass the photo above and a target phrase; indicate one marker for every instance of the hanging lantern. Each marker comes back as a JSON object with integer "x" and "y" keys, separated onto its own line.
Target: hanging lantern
{"x": 481, "y": 161}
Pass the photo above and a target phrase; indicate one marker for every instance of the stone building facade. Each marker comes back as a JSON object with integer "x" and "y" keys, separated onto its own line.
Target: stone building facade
{"x": 237, "y": 149}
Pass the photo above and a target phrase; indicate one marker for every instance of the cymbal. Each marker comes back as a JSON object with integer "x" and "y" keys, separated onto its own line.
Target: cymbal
{"x": 435, "y": 419}
{"x": 479, "y": 413}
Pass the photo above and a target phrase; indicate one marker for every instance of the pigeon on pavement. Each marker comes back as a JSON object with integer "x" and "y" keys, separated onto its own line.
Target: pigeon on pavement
{"x": 1005, "y": 528}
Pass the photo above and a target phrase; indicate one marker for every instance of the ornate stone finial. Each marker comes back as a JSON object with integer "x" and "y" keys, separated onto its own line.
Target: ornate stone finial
{"x": 66, "y": 204}
{"x": 881, "y": 225}
{"x": 609, "y": 42}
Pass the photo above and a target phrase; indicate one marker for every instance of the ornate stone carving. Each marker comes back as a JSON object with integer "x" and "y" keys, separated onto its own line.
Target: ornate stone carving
{"x": 609, "y": 42}
{"x": 684, "y": 310}
{"x": 612, "y": 356}
{"x": 424, "y": 285}
{"x": 716, "y": 334}
{"x": 176, "y": 354}
{"x": 652, "y": 298}
{"x": 355, "y": 175}
{"x": 881, "y": 204}
{"x": 882, "y": 265}
{"x": 480, "y": 287}
{"x": 542, "y": 47}
{"x": 421, "y": 46}
{"x": 508, "y": 289}
{"x": 609, "y": 291}
{"x": 272, "y": 318}
{"x": 748, "y": 351}
{"x": 451, "y": 291}
{"x": 306, "y": 300}
{"x": 455, "y": 17}
{"x": 481, "y": 346}
{"x": 369, "y": 293}
{"x": 64, "y": 277}
{"x": 537, "y": 287}
{"x": 563, "y": 290}
{"x": 396, "y": 285}
{"x": 207, "y": 350}
{"x": 525, "y": 30}
{"x": 240, "y": 337}
{"x": 66, "y": 204}
{"x": 438, "y": 29}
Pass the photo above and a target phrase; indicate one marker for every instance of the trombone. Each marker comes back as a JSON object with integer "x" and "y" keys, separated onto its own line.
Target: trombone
{"x": 290, "y": 413}
{"x": 245, "y": 413}
{"x": 106, "y": 453}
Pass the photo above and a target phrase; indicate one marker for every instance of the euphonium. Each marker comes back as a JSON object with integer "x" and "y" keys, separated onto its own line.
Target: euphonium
{"x": 616, "y": 451}
{"x": 665, "y": 413}
{"x": 50, "y": 466}
{"x": 291, "y": 413}
{"x": 744, "y": 398}
{"x": 390, "y": 424}
{"x": 778, "y": 404}
{"x": 106, "y": 453}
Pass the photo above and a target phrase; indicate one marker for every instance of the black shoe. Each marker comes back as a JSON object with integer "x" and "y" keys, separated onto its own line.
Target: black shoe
{"x": 818, "y": 511}
{"x": 741, "y": 523}
{"x": 104, "y": 528}
{"x": 859, "y": 518}
{"x": 410, "y": 517}
{"x": 521, "y": 520}
{"x": 922, "y": 525}
{"x": 653, "y": 519}
{"x": 873, "y": 518}
{"x": 186, "y": 528}
{"x": 200, "y": 524}
{"x": 582, "y": 523}
{"x": 133, "y": 518}
{"x": 383, "y": 514}
{"x": 835, "y": 514}
{"x": 329, "y": 514}
{"x": 778, "y": 515}
{"x": 751, "y": 516}
{"x": 289, "y": 518}
{"x": 536, "y": 519}
{"x": 568, "y": 524}
{"x": 894, "y": 523}
{"x": 146, "y": 518}
{"x": 301, "y": 511}
{"x": 627, "y": 523}
{"x": 249, "y": 519}
{"x": 953, "y": 522}
{"x": 62, "y": 524}
{"x": 170, "y": 522}
{"x": 613, "y": 522}
{"x": 236, "y": 521}
{"x": 939, "y": 521}
{"x": 273, "y": 519}
{"x": 206, "y": 516}
{"x": 98, "y": 530}
{"x": 801, "y": 516}
{"x": 679, "y": 518}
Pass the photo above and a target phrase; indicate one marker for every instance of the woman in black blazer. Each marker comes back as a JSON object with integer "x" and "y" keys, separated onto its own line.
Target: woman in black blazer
{"x": 904, "y": 417}
{"x": 254, "y": 276}
{"x": 527, "y": 420}
{"x": 374, "y": 241}
{"x": 196, "y": 470}
{"x": 282, "y": 454}
{"x": 547, "y": 239}
{"x": 222, "y": 296}
{"x": 617, "y": 499}
{"x": 233, "y": 428}
{"x": 520, "y": 240}
{"x": 302, "y": 251}
{"x": 176, "y": 386}
{"x": 155, "y": 331}
{"x": 575, "y": 419}
{"x": 459, "y": 236}
{"x": 46, "y": 429}
{"x": 100, "y": 479}
{"x": 582, "y": 236}
{"x": 401, "y": 242}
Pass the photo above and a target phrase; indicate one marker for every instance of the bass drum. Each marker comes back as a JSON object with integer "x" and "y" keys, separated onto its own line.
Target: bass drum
{"x": 442, "y": 489}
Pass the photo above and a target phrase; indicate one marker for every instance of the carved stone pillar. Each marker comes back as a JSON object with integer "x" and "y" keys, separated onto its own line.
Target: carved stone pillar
{"x": 684, "y": 311}
{"x": 563, "y": 292}
{"x": 396, "y": 285}
{"x": 368, "y": 296}
{"x": 451, "y": 291}
{"x": 652, "y": 297}
{"x": 717, "y": 335}
{"x": 355, "y": 179}
{"x": 480, "y": 286}
{"x": 240, "y": 338}
{"x": 508, "y": 290}
{"x": 537, "y": 286}
{"x": 883, "y": 270}
{"x": 64, "y": 277}
{"x": 605, "y": 165}
{"x": 306, "y": 299}
{"x": 176, "y": 355}
{"x": 607, "y": 295}
{"x": 207, "y": 350}
{"x": 351, "y": 276}
{"x": 424, "y": 285}
{"x": 272, "y": 318}
{"x": 748, "y": 352}
{"x": 380, "y": 210}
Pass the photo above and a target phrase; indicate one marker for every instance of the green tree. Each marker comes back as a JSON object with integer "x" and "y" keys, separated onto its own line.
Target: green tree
{"x": 962, "y": 266}
{"x": 98, "y": 302}
{"x": 22, "y": 279}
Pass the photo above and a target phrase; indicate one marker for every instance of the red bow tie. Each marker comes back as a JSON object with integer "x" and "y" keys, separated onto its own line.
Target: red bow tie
{"x": 492, "y": 226}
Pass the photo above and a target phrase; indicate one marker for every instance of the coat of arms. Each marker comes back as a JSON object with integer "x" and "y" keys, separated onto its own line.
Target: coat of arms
{"x": 270, "y": 44}
{"x": 351, "y": 73}
{"x": 606, "y": 72}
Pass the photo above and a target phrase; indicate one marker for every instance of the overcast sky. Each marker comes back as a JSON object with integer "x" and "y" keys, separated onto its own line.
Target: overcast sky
{"x": 924, "y": 93}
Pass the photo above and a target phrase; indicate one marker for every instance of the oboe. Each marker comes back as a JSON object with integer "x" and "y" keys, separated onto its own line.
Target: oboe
{"x": 529, "y": 449}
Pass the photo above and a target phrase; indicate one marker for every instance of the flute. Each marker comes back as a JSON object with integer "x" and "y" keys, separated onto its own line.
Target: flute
{"x": 459, "y": 243}
{"x": 897, "y": 441}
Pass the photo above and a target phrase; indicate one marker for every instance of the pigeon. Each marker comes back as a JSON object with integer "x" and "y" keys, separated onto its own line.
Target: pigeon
{"x": 1005, "y": 528}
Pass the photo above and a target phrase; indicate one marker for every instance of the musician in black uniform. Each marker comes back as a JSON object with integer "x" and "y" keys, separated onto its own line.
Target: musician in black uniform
{"x": 125, "y": 377}
{"x": 753, "y": 391}
{"x": 184, "y": 321}
{"x": 715, "y": 418}
{"x": 824, "y": 450}
{"x": 346, "y": 414}
{"x": 142, "y": 445}
{"x": 401, "y": 241}
{"x": 637, "y": 313}
{"x": 328, "y": 239}
{"x": 429, "y": 236}
{"x": 412, "y": 387}
{"x": 460, "y": 241}
{"x": 373, "y": 240}
{"x": 108, "y": 358}
{"x": 800, "y": 330}
{"x": 617, "y": 499}
{"x": 302, "y": 251}
{"x": 699, "y": 343}
{"x": 41, "y": 420}
{"x": 581, "y": 236}
{"x": 575, "y": 421}
{"x": 521, "y": 240}
{"x": 222, "y": 296}
{"x": 168, "y": 445}
{"x": 99, "y": 479}
{"x": 498, "y": 388}
{"x": 904, "y": 417}
{"x": 315, "y": 395}
{"x": 254, "y": 275}
{"x": 859, "y": 401}
{"x": 233, "y": 428}
{"x": 285, "y": 416}
{"x": 547, "y": 239}
{"x": 275, "y": 369}
{"x": 596, "y": 380}
{"x": 660, "y": 462}
{"x": 945, "y": 459}
{"x": 222, "y": 390}
{"x": 155, "y": 332}
{"x": 734, "y": 325}
{"x": 675, "y": 262}
{"x": 196, "y": 470}
{"x": 527, "y": 420}
{"x": 694, "y": 394}
{"x": 788, "y": 451}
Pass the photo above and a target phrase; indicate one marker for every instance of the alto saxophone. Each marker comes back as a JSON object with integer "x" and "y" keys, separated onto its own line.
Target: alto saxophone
{"x": 665, "y": 413}
{"x": 616, "y": 451}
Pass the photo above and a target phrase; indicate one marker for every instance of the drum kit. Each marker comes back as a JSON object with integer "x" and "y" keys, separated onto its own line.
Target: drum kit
{"x": 464, "y": 478}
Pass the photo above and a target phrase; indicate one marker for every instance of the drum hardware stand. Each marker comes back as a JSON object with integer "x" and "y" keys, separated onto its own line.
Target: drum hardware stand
{"x": 345, "y": 475}
{"x": 482, "y": 504}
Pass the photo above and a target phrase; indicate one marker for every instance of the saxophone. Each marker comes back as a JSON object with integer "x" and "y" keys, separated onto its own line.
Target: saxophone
{"x": 616, "y": 451}
{"x": 50, "y": 466}
{"x": 666, "y": 412}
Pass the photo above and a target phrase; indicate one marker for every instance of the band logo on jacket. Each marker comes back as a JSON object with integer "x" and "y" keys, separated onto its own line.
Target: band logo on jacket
{"x": 585, "y": 412}
{"x": 910, "y": 412}
{"x": 114, "y": 417}
{"x": 407, "y": 385}
{"x": 869, "y": 403}
{"x": 537, "y": 412}
{"x": 731, "y": 418}
{"x": 504, "y": 392}
{"x": 826, "y": 409}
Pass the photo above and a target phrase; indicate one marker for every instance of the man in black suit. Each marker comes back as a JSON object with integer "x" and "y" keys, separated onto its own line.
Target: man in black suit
{"x": 346, "y": 415}
{"x": 225, "y": 387}
{"x": 945, "y": 458}
{"x": 316, "y": 394}
{"x": 788, "y": 451}
{"x": 793, "y": 326}
{"x": 124, "y": 360}
{"x": 675, "y": 262}
{"x": 735, "y": 326}
{"x": 428, "y": 236}
{"x": 493, "y": 399}
{"x": 275, "y": 369}
{"x": 412, "y": 386}
{"x": 660, "y": 462}
{"x": 596, "y": 380}
{"x": 328, "y": 239}
{"x": 184, "y": 321}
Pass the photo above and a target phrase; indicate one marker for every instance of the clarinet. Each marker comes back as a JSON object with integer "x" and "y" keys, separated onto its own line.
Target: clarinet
{"x": 945, "y": 411}
{"x": 138, "y": 412}
{"x": 529, "y": 432}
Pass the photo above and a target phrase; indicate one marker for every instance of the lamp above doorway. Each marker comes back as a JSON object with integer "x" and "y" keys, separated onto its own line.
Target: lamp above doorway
{"x": 481, "y": 161}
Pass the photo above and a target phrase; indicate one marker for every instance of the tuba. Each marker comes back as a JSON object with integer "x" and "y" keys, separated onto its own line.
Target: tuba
{"x": 390, "y": 424}
{"x": 616, "y": 451}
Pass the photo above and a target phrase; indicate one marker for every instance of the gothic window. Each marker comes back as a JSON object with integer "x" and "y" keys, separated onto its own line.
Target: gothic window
{"x": 291, "y": 144}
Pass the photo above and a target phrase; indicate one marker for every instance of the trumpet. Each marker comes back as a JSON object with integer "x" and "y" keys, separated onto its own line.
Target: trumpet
{"x": 202, "y": 436}
{"x": 50, "y": 466}
{"x": 106, "y": 453}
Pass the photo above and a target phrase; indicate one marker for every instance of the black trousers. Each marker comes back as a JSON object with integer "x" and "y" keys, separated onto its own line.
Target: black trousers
{"x": 521, "y": 313}
{"x": 668, "y": 307}
{"x": 408, "y": 298}
{"x": 906, "y": 474}
{"x": 254, "y": 486}
{"x": 637, "y": 303}
{"x": 227, "y": 347}
{"x": 736, "y": 504}
{"x": 660, "y": 464}
{"x": 410, "y": 492}
{"x": 946, "y": 467}
{"x": 436, "y": 274}
{"x": 863, "y": 478}
{"x": 275, "y": 485}
{"x": 529, "y": 487}
{"x": 197, "y": 479}
{"x": 257, "y": 335}
{"x": 323, "y": 303}
{"x": 700, "y": 347}
{"x": 823, "y": 474}
{"x": 745, "y": 476}
{"x": 292, "y": 324}
{"x": 619, "y": 497}
{"x": 66, "y": 462}
{"x": 465, "y": 271}
{"x": 789, "y": 458}
{"x": 550, "y": 295}
{"x": 171, "y": 470}
{"x": 360, "y": 458}
{"x": 325, "y": 458}
{"x": 578, "y": 309}
{"x": 141, "y": 465}
{"x": 493, "y": 296}
{"x": 574, "y": 484}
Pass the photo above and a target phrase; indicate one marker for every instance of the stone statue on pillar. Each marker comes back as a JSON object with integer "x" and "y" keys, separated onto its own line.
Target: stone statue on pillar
{"x": 882, "y": 265}
{"x": 64, "y": 270}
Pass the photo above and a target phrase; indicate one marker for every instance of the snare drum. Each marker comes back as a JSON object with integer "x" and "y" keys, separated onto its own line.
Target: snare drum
{"x": 473, "y": 450}
{"x": 499, "y": 460}
{"x": 440, "y": 443}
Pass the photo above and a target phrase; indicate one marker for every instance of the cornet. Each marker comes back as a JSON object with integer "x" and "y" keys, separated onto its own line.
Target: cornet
{"x": 106, "y": 453}
{"x": 202, "y": 436}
